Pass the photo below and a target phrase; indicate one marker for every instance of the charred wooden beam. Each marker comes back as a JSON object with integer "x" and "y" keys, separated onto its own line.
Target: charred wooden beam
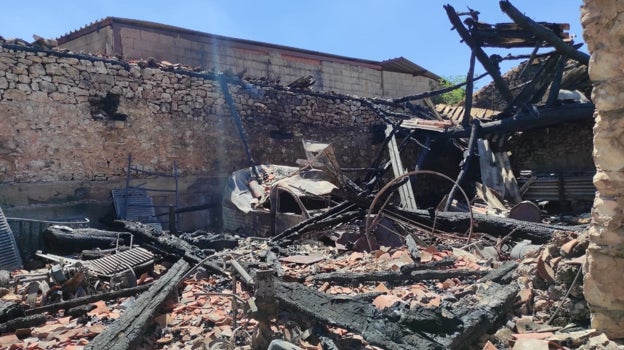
{"x": 534, "y": 91}
{"x": 358, "y": 316}
{"x": 439, "y": 91}
{"x": 61, "y": 240}
{"x": 9, "y": 311}
{"x": 523, "y": 120}
{"x": 68, "y": 304}
{"x": 391, "y": 276}
{"x": 543, "y": 33}
{"x": 493, "y": 225}
{"x": 469, "y": 89}
{"x": 299, "y": 228}
{"x": 22, "y": 322}
{"x": 492, "y": 306}
{"x": 127, "y": 331}
{"x": 446, "y": 262}
{"x": 460, "y": 222}
{"x": 466, "y": 162}
{"x": 489, "y": 66}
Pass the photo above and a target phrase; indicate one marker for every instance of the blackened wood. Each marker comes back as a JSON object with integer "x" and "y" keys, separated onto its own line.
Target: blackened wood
{"x": 298, "y": 229}
{"x": 391, "y": 276}
{"x": 128, "y": 330}
{"x": 87, "y": 300}
{"x": 60, "y": 240}
{"x": 22, "y": 322}
{"x": 490, "y": 224}
{"x": 469, "y": 87}
{"x": 553, "y": 94}
{"x": 9, "y": 310}
{"x": 489, "y": 66}
{"x": 523, "y": 120}
{"x": 466, "y": 162}
{"x": 543, "y": 33}
{"x": 437, "y": 92}
{"x": 460, "y": 222}
{"x": 446, "y": 262}
{"x": 502, "y": 274}
{"x": 79, "y": 311}
{"x": 490, "y": 308}
{"x": 354, "y": 315}
{"x": 534, "y": 91}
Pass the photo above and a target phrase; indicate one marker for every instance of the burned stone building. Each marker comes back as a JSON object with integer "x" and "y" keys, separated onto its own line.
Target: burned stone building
{"x": 72, "y": 121}
{"x": 79, "y": 127}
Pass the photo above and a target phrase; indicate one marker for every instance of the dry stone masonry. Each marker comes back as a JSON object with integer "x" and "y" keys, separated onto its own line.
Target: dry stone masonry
{"x": 603, "y": 24}
{"x": 68, "y": 117}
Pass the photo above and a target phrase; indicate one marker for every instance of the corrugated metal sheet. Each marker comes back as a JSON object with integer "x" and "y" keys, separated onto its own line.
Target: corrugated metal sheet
{"x": 139, "y": 206}
{"x": 546, "y": 187}
{"x": 403, "y": 65}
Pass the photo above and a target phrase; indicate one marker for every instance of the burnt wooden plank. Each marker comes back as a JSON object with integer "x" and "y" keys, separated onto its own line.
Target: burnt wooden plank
{"x": 355, "y": 315}
{"x": 391, "y": 276}
{"x": 128, "y": 330}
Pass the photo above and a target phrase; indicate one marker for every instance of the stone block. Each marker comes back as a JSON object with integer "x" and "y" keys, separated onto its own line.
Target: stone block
{"x": 599, "y": 282}
{"x": 611, "y": 322}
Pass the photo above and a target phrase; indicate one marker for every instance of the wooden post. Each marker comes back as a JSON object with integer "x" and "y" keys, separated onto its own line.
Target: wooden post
{"x": 172, "y": 220}
{"x": 467, "y": 160}
{"x": 469, "y": 88}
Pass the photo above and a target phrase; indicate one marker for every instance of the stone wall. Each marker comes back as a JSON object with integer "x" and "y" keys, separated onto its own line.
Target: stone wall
{"x": 72, "y": 119}
{"x": 553, "y": 150}
{"x": 603, "y": 24}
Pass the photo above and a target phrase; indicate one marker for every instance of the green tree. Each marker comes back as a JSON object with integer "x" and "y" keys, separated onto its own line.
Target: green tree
{"x": 451, "y": 97}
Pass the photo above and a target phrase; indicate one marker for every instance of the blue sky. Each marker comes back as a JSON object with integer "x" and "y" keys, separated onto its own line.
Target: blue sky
{"x": 369, "y": 29}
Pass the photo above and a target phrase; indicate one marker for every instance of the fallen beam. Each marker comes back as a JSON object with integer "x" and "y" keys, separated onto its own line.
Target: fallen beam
{"x": 22, "y": 322}
{"x": 68, "y": 304}
{"x": 391, "y": 276}
{"x": 492, "y": 306}
{"x": 460, "y": 221}
{"x": 358, "y": 316}
{"x": 128, "y": 331}
{"x": 490, "y": 224}
{"x": 63, "y": 240}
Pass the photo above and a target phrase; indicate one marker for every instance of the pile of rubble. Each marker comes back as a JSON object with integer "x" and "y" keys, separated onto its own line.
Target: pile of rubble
{"x": 312, "y": 294}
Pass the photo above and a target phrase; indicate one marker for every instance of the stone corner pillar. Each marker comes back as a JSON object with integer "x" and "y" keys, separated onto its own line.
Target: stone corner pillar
{"x": 603, "y": 31}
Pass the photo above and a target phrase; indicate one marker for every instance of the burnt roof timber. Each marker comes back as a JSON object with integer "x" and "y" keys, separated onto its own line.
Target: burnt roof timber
{"x": 543, "y": 33}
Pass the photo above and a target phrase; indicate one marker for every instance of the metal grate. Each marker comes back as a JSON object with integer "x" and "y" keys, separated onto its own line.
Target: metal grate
{"x": 130, "y": 259}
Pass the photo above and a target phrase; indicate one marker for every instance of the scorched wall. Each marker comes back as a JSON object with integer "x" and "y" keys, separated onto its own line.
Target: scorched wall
{"x": 58, "y": 126}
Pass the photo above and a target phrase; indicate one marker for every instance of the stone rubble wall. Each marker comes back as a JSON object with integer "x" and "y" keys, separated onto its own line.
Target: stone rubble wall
{"x": 603, "y": 24}
{"x": 59, "y": 144}
{"x": 49, "y": 130}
